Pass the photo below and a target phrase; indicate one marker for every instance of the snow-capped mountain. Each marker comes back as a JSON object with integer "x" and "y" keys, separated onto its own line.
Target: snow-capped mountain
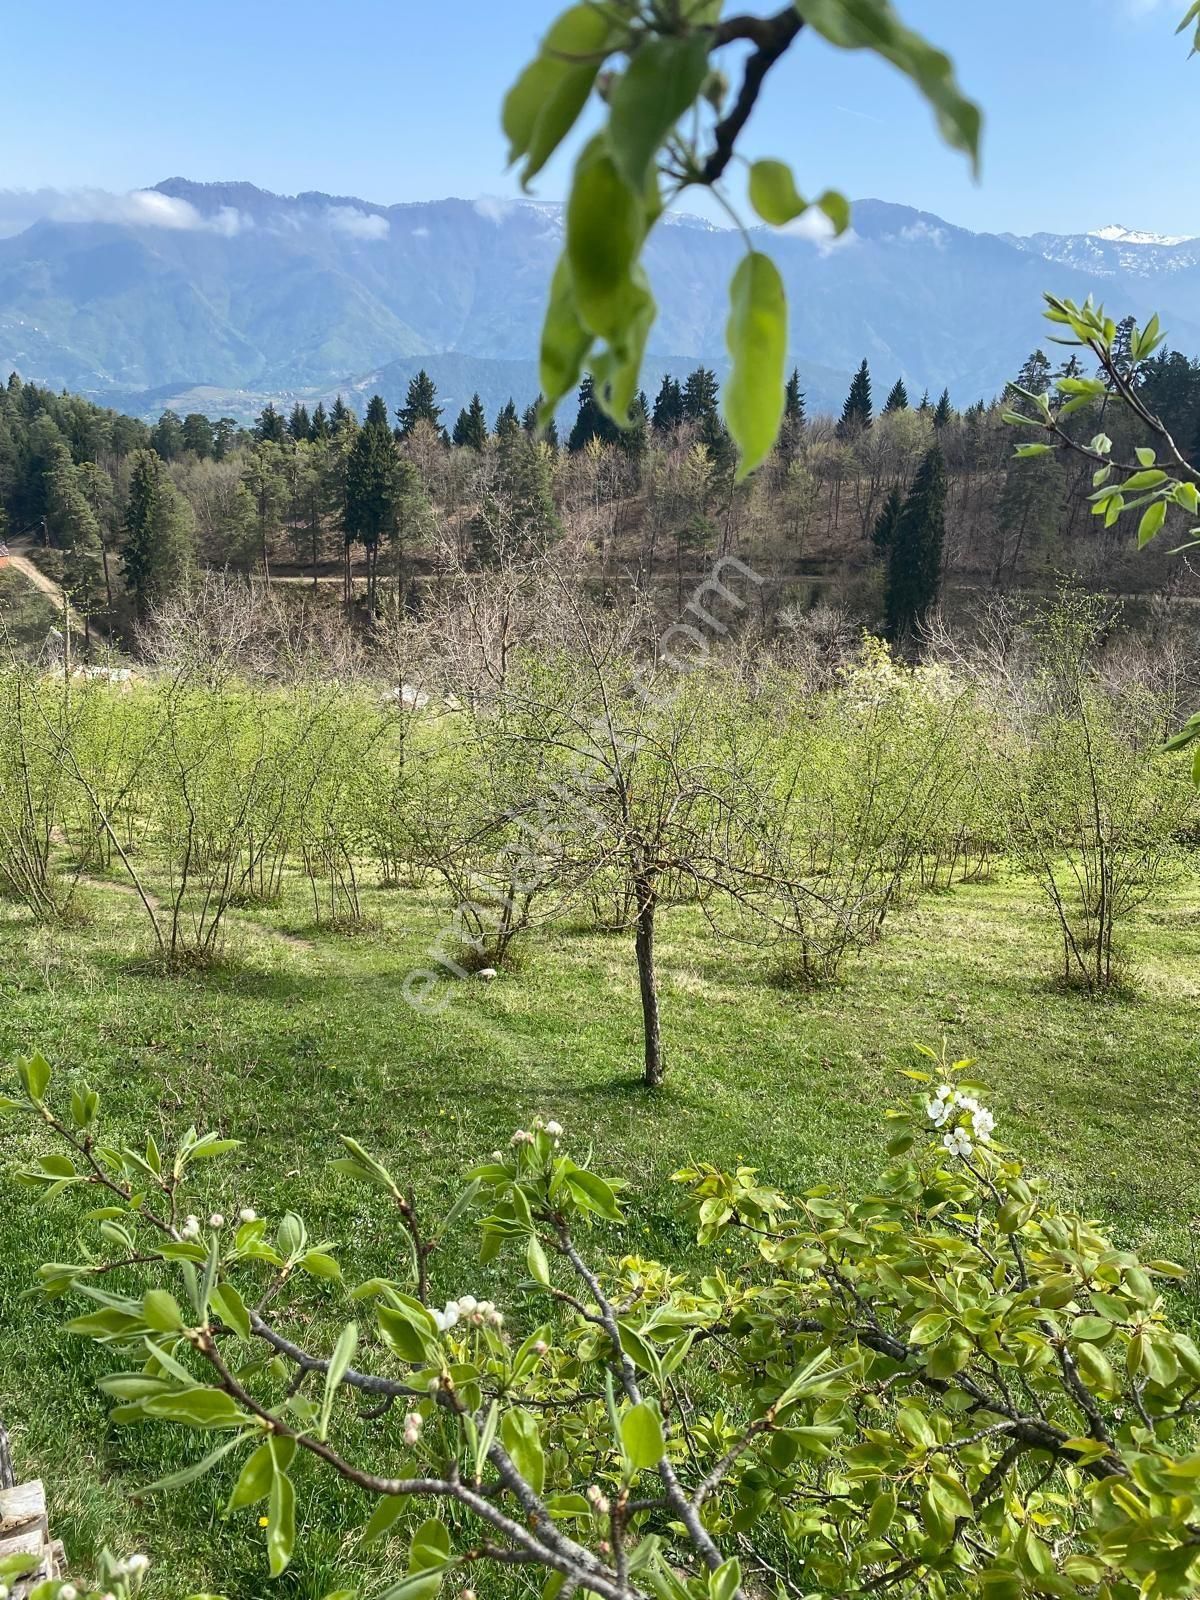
{"x": 217, "y": 297}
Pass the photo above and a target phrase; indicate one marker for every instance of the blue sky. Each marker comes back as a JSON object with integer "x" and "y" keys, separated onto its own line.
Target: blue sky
{"x": 397, "y": 100}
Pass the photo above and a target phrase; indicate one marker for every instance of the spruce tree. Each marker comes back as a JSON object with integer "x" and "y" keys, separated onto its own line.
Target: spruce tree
{"x": 529, "y": 422}
{"x": 897, "y": 399}
{"x": 299, "y": 424}
{"x": 507, "y": 421}
{"x": 942, "y": 412}
{"x": 856, "y": 413}
{"x": 166, "y": 437}
{"x": 668, "y": 406}
{"x": 160, "y": 547}
{"x": 319, "y": 428}
{"x": 924, "y": 408}
{"x": 914, "y": 571}
{"x": 341, "y": 416}
{"x": 793, "y": 401}
{"x": 470, "y": 431}
{"x": 269, "y": 427}
{"x": 700, "y": 391}
{"x": 198, "y": 437}
{"x": 591, "y": 420}
{"x": 420, "y": 405}
{"x": 372, "y": 468}
{"x": 884, "y": 530}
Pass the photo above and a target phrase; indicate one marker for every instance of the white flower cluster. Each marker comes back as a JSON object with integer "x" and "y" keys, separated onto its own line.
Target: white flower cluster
{"x": 523, "y": 1136}
{"x": 467, "y": 1309}
{"x": 597, "y": 1499}
{"x": 413, "y": 1423}
{"x": 946, "y": 1107}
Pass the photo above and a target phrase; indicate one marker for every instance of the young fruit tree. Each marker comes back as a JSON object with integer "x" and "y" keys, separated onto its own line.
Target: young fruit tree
{"x": 949, "y": 1387}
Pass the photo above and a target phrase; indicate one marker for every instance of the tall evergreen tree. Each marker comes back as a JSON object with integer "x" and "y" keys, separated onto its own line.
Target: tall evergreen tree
{"x": 793, "y": 401}
{"x": 924, "y": 408}
{"x": 270, "y": 428}
{"x": 470, "y": 430}
{"x": 166, "y": 437}
{"x": 942, "y": 412}
{"x": 76, "y": 531}
{"x": 507, "y": 421}
{"x": 884, "y": 529}
{"x": 341, "y": 416}
{"x": 198, "y": 435}
{"x": 529, "y": 422}
{"x": 668, "y": 406}
{"x": 299, "y": 423}
{"x": 420, "y": 405}
{"x": 856, "y": 413}
{"x": 225, "y": 434}
{"x": 591, "y": 420}
{"x": 160, "y": 529}
{"x": 897, "y": 399}
{"x": 372, "y": 488}
{"x": 700, "y": 393}
{"x": 319, "y": 428}
{"x": 914, "y": 571}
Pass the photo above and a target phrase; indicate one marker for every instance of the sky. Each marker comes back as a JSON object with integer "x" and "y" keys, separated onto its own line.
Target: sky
{"x": 1092, "y": 107}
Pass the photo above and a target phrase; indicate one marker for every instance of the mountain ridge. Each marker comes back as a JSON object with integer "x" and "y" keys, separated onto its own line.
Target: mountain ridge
{"x": 219, "y": 296}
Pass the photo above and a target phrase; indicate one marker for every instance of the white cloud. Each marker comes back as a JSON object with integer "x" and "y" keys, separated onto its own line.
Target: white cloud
{"x": 816, "y": 227}
{"x": 493, "y": 209}
{"x": 139, "y": 208}
{"x": 923, "y": 233}
{"x": 420, "y": 233}
{"x": 357, "y": 224}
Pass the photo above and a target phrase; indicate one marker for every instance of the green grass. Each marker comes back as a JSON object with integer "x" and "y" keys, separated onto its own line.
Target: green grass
{"x": 287, "y": 1042}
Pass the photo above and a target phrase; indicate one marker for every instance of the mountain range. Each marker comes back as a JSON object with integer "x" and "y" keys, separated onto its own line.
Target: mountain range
{"x": 219, "y": 296}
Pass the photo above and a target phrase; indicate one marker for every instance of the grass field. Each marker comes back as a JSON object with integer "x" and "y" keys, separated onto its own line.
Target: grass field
{"x": 299, "y": 1034}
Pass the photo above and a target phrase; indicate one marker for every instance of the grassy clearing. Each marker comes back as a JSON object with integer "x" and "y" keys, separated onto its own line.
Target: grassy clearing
{"x": 292, "y": 1038}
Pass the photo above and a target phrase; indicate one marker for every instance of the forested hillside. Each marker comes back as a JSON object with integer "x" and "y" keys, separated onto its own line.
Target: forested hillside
{"x": 126, "y": 515}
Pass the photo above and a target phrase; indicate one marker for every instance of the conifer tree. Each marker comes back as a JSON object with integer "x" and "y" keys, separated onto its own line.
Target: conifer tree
{"x": 319, "y": 428}
{"x": 856, "y": 413}
{"x": 470, "y": 430}
{"x": 591, "y": 420}
{"x": 529, "y": 423}
{"x": 897, "y": 399}
{"x": 668, "y": 406}
{"x": 793, "y": 401}
{"x": 924, "y": 408}
{"x": 341, "y": 416}
{"x": 197, "y": 435}
{"x": 299, "y": 423}
{"x": 166, "y": 437}
{"x": 160, "y": 547}
{"x": 225, "y": 435}
{"x": 372, "y": 470}
{"x": 942, "y": 412}
{"x": 420, "y": 405}
{"x": 700, "y": 392}
{"x": 914, "y": 571}
{"x": 76, "y": 531}
{"x": 270, "y": 427}
{"x": 884, "y": 530}
{"x": 507, "y": 421}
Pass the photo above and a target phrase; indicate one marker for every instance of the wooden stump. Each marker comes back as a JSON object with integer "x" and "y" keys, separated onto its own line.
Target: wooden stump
{"x": 24, "y": 1530}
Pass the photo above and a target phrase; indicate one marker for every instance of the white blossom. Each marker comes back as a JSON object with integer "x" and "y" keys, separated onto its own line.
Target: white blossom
{"x": 247, "y": 1214}
{"x": 413, "y": 1423}
{"x": 190, "y": 1229}
{"x": 67, "y": 1592}
{"x": 466, "y": 1304}
{"x": 540, "y": 1347}
{"x": 216, "y": 1220}
{"x": 521, "y": 1137}
{"x": 968, "y": 1102}
{"x": 554, "y": 1129}
{"x": 135, "y": 1564}
{"x": 938, "y": 1111}
{"x": 982, "y": 1122}
{"x": 958, "y": 1142}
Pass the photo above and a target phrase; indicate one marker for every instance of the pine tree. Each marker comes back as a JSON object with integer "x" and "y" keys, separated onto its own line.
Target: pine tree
{"x": 793, "y": 401}
{"x": 76, "y": 531}
{"x": 529, "y": 422}
{"x": 914, "y": 572}
{"x": 591, "y": 420}
{"x": 507, "y": 421}
{"x": 160, "y": 547}
{"x": 886, "y": 522}
{"x": 299, "y": 424}
{"x": 700, "y": 392}
{"x": 632, "y": 438}
{"x": 856, "y": 413}
{"x": 897, "y": 399}
{"x": 225, "y": 435}
{"x": 668, "y": 406}
{"x": 198, "y": 435}
{"x": 372, "y": 488}
{"x": 167, "y": 436}
{"x": 420, "y": 405}
{"x": 942, "y": 412}
{"x": 924, "y": 408}
{"x": 319, "y": 428}
{"x": 341, "y": 416}
{"x": 470, "y": 431}
{"x": 269, "y": 427}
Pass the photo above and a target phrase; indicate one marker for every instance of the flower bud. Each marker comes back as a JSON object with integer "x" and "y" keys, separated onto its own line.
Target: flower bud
{"x": 540, "y": 1347}
{"x": 247, "y": 1214}
{"x": 216, "y": 1220}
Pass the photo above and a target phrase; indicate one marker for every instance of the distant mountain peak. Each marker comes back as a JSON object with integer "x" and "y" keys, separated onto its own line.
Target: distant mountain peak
{"x": 1117, "y": 233}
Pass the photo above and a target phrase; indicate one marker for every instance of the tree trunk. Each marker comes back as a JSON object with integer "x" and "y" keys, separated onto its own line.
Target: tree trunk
{"x": 647, "y": 901}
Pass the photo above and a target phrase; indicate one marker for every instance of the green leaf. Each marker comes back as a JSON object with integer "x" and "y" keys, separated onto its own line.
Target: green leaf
{"x": 543, "y": 105}
{"x": 281, "y": 1522}
{"x": 773, "y": 192}
{"x": 535, "y": 1261}
{"x": 642, "y": 1435}
{"x": 176, "y": 1480}
{"x": 522, "y": 1440}
{"x": 160, "y": 1310}
{"x": 231, "y": 1309}
{"x": 34, "y": 1073}
{"x": 724, "y": 1583}
{"x": 383, "y": 1516}
{"x": 319, "y": 1265}
{"x": 604, "y": 234}
{"x": 837, "y": 208}
{"x": 1152, "y": 520}
{"x": 258, "y": 1473}
{"x": 874, "y": 25}
{"x": 756, "y": 334}
{"x": 198, "y": 1408}
{"x": 409, "y": 1329}
{"x": 339, "y": 1361}
{"x": 565, "y": 341}
{"x": 593, "y": 1194}
{"x": 661, "y": 82}
{"x": 1024, "y": 451}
